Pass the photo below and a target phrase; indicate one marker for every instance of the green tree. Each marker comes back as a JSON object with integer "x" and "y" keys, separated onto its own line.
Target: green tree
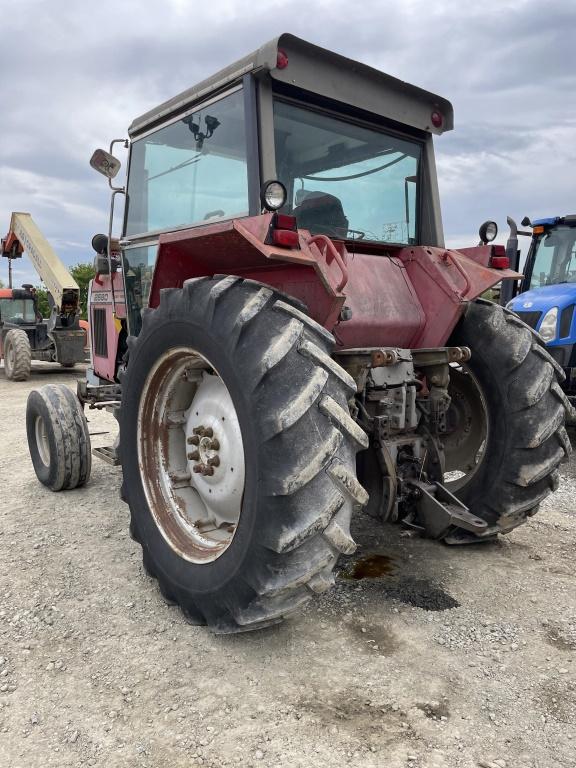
{"x": 42, "y": 298}
{"x": 83, "y": 273}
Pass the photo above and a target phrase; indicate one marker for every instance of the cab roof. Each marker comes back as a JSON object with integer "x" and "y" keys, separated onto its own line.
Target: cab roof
{"x": 321, "y": 72}
{"x": 551, "y": 221}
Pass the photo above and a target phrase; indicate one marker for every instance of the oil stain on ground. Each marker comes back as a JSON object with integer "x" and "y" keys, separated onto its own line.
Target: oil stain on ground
{"x": 370, "y": 567}
{"x": 421, "y": 593}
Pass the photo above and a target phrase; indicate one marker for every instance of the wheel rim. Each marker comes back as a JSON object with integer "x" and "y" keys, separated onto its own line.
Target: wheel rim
{"x": 42, "y": 441}
{"x": 467, "y": 429}
{"x": 191, "y": 455}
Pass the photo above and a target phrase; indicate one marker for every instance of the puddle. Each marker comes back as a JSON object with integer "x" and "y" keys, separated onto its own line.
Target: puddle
{"x": 370, "y": 567}
{"x": 420, "y": 593}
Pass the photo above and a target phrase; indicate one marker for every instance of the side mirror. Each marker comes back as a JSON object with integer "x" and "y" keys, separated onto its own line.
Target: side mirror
{"x": 105, "y": 163}
{"x": 526, "y": 222}
{"x": 100, "y": 244}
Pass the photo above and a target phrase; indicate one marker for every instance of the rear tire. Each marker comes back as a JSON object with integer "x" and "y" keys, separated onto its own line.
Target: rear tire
{"x": 17, "y": 355}
{"x": 523, "y": 422}
{"x": 299, "y": 446}
{"x": 58, "y": 438}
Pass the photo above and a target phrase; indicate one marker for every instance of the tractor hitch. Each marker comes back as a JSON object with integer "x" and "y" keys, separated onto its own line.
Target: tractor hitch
{"x": 441, "y": 513}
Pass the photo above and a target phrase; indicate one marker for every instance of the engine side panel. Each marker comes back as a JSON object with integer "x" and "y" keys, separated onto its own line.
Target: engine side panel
{"x": 104, "y": 326}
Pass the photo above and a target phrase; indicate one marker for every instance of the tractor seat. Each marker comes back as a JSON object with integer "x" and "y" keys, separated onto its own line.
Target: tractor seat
{"x": 320, "y": 212}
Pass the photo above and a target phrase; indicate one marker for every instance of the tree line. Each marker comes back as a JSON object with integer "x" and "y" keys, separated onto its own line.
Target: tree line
{"x": 82, "y": 273}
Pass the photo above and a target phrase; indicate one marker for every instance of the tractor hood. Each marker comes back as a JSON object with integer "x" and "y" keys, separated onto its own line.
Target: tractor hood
{"x": 542, "y": 299}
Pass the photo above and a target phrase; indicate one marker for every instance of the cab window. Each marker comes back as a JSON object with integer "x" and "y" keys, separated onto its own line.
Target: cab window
{"x": 192, "y": 171}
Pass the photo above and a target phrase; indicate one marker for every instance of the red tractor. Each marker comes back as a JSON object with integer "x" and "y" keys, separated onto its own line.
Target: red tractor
{"x": 285, "y": 340}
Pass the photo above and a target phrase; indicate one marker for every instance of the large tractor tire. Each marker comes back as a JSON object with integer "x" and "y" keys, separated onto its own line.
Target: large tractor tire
{"x": 506, "y": 434}
{"x": 58, "y": 438}
{"x": 17, "y": 355}
{"x": 238, "y": 452}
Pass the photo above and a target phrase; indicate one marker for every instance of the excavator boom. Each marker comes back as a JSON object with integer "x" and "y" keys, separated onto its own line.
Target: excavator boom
{"x": 24, "y": 235}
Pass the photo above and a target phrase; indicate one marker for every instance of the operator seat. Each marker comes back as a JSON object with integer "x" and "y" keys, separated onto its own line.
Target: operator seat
{"x": 323, "y": 213}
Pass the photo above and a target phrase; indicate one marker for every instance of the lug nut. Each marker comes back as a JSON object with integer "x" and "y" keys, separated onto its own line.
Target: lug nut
{"x": 194, "y": 440}
{"x": 198, "y": 431}
{"x": 215, "y": 445}
{"x": 206, "y": 470}
{"x": 214, "y": 461}
{"x": 197, "y": 468}
{"x": 194, "y": 456}
{"x": 208, "y": 432}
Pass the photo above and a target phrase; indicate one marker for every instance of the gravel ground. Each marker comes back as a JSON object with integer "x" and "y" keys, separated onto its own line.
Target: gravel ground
{"x": 440, "y": 657}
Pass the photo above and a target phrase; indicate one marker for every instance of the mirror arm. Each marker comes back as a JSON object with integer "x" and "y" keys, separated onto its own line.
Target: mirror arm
{"x": 116, "y": 191}
{"x": 126, "y": 145}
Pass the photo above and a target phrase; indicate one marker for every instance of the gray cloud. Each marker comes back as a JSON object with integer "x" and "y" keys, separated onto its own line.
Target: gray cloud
{"x": 74, "y": 75}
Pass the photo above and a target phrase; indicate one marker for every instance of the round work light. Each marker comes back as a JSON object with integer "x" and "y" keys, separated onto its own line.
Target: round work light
{"x": 273, "y": 195}
{"x": 488, "y": 231}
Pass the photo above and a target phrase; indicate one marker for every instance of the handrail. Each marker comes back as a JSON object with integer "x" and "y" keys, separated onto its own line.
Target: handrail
{"x": 329, "y": 245}
{"x": 453, "y": 260}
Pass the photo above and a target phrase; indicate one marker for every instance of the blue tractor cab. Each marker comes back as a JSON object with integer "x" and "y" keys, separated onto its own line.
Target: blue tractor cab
{"x": 547, "y": 294}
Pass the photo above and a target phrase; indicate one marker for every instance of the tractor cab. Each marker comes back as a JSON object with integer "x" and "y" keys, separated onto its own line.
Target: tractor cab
{"x": 552, "y": 256}
{"x": 17, "y": 307}
{"x": 548, "y": 290}
{"x": 349, "y": 157}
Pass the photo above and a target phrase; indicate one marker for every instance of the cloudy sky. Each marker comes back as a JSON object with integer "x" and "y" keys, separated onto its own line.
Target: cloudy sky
{"x": 74, "y": 74}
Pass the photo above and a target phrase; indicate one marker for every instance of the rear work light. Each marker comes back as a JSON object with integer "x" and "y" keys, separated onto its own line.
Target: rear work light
{"x": 498, "y": 259}
{"x": 437, "y": 119}
{"x": 281, "y": 59}
{"x": 283, "y": 221}
{"x": 286, "y": 238}
{"x": 284, "y": 231}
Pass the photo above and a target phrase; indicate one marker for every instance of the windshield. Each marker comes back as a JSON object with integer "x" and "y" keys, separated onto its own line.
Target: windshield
{"x": 190, "y": 171}
{"x": 346, "y": 180}
{"x": 555, "y": 257}
{"x": 17, "y": 311}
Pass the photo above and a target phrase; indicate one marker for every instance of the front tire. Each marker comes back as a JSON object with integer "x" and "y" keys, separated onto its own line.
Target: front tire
{"x": 235, "y": 345}
{"x": 58, "y": 438}
{"x": 507, "y": 418}
{"x": 17, "y": 355}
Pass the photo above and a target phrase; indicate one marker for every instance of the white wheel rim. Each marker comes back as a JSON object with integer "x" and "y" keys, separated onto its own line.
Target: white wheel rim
{"x": 191, "y": 455}
{"x": 42, "y": 440}
{"x": 458, "y": 477}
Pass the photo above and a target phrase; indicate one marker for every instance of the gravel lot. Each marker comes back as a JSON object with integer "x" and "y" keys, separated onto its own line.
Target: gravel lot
{"x": 447, "y": 657}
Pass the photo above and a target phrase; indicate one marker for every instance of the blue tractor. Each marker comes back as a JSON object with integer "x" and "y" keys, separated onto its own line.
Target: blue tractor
{"x": 547, "y": 294}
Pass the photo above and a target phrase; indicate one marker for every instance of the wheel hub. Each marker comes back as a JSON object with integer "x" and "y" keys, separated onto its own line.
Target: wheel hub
{"x": 216, "y": 461}
{"x": 206, "y": 454}
{"x": 191, "y": 455}
{"x": 42, "y": 440}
